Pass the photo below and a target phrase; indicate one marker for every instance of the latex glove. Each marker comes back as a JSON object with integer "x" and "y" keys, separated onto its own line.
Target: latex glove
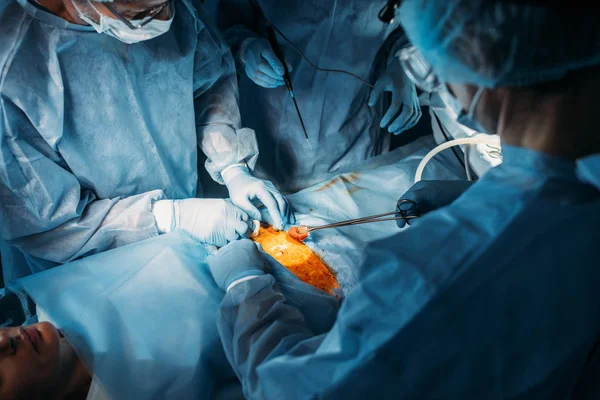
{"x": 244, "y": 188}
{"x": 404, "y": 111}
{"x": 235, "y": 261}
{"x": 426, "y": 196}
{"x": 211, "y": 221}
{"x": 262, "y": 65}
{"x": 266, "y": 217}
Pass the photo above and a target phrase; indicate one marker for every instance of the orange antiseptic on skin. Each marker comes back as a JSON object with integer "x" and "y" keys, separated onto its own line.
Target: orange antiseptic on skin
{"x": 297, "y": 257}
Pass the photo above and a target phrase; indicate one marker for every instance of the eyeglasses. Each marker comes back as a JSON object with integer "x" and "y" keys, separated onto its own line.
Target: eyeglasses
{"x": 418, "y": 70}
{"x": 147, "y": 16}
{"x": 388, "y": 12}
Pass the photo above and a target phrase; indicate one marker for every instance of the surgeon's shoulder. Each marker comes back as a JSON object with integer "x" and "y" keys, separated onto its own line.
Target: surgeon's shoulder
{"x": 205, "y": 23}
{"x": 199, "y": 6}
{"x": 434, "y": 247}
{"x": 4, "y": 4}
{"x": 12, "y": 17}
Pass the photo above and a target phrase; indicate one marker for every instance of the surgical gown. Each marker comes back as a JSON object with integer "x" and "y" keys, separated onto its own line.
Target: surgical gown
{"x": 93, "y": 130}
{"x": 342, "y": 128}
{"x": 493, "y": 297}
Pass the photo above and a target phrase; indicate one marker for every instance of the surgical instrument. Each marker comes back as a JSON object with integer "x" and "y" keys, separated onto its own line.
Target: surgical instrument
{"x": 330, "y": 70}
{"x": 286, "y": 74}
{"x": 304, "y": 230}
{"x": 269, "y": 27}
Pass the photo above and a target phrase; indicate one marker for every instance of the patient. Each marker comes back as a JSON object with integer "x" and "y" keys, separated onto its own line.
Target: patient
{"x": 37, "y": 362}
{"x": 112, "y": 309}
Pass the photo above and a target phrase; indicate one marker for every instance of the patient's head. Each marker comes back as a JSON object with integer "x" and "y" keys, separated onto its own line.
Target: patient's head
{"x": 37, "y": 363}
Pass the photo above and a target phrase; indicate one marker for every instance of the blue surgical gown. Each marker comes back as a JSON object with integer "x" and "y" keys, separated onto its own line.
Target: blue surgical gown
{"x": 342, "y": 128}
{"x": 93, "y": 130}
{"x": 493, "y": 297}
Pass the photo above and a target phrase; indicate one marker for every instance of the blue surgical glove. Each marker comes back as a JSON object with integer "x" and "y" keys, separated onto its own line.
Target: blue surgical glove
{"x": 261, "y": 63}
{"x": 244, "y": 188}
{"x": 210, "y": 221}
{"x": 404, "y": 111}
{"x": 426, "y": 196}
{"x": 235, "y": 261}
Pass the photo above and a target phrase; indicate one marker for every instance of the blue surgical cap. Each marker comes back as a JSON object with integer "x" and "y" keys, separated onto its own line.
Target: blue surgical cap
{"x": 493, "y": 43}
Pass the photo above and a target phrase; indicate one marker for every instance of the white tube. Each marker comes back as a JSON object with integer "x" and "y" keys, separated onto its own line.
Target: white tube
{"x": 479, "y": 139}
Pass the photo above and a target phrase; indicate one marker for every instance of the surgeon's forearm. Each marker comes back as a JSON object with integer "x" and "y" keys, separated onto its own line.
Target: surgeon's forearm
{"x": 220, "y": 135}
{"x": 101, "y": 225}
{"x": 396, "y": 41}
{"x": 218, "y": 121}
{"x": 216, "y": 90}
{"x": 256, "y": 326}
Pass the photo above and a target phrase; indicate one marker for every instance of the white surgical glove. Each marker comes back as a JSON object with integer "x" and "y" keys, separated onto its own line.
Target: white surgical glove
{"x": 244, "y": 188}
{"x": 209, "y": 221}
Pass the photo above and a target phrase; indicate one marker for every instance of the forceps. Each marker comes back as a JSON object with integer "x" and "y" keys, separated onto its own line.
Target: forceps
{"x": 400, "y": 213}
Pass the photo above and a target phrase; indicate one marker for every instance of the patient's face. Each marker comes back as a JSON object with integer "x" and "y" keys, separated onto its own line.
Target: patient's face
{"x": 30, "y": 361}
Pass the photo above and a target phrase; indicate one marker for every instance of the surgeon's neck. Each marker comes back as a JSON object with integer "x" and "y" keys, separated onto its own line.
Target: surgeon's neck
{"x": 60, "y": 9}
{"x": 562, "y": 122}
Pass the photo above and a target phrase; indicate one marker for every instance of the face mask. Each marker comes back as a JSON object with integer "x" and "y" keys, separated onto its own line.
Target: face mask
{"x": 120, "y": 31}
{"x": 464, "y": 118}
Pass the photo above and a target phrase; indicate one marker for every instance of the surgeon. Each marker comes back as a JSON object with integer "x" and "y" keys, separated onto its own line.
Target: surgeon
{"x": 347, "y": 119}
{"x": 104, "y": 106}
{"x": 494, "y": 296}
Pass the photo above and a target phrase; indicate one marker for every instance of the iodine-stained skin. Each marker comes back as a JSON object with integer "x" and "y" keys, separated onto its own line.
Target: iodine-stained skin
{"x": 298, "y": 258}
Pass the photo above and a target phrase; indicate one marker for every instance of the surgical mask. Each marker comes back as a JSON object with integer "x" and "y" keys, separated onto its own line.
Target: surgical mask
{"x": 420, "y": 72}
{"x": 120, "y": 31}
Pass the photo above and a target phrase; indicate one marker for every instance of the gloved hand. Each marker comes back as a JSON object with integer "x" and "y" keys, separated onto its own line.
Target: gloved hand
{"x": 404, "y": 111}
{"x": 235, "y": 261}
{"x": 426, "y": 196}
{"x": 243, "y": 188}
{"x": 210, "y": 221}
{"x": 262, "y": 65}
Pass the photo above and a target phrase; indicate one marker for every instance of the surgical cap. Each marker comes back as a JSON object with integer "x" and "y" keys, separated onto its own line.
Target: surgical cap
{"x": 120, "y": 1}
{"x": 493, "y": 43}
